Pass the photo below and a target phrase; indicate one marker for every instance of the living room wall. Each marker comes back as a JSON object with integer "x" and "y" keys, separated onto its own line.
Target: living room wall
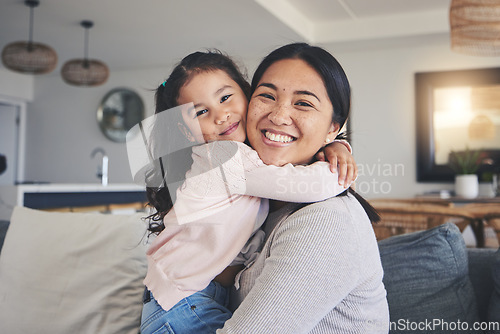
{"x": 62, "y": 130}
{"x": 16, "y": 86}
{"x": 383, "y": 115}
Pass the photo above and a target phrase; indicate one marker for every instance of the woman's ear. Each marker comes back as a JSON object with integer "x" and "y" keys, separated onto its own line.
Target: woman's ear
{"x": 332, "y": 133}
{"x": 185, "y": 131}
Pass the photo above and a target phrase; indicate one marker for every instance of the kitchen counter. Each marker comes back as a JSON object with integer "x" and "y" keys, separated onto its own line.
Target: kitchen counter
{"x": 59, "y": 195}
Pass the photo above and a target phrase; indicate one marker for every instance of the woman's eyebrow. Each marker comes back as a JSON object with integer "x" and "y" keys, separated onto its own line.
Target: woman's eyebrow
{"x": 268, "y": 85}
{"x": 306, "y": 92}
{"x": 297, "y": 92}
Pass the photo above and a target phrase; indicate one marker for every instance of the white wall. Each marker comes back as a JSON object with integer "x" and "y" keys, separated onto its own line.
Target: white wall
{"x": 15, "y": 91}
{"x": 384, "y": 116}
{"x": 62, "y": 128}
{"x": 16, "y": 86}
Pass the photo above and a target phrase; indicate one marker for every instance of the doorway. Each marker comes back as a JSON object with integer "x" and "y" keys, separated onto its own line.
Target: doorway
{"x": 10, "y": 143}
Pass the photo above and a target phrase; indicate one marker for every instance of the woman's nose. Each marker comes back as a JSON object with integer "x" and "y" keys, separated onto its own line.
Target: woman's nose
{"x": 221, "y": 116}
{"x": 280, "y": 115}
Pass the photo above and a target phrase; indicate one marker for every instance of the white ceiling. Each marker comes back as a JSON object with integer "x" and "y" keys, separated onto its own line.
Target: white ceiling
{"x": 132, "y": 34}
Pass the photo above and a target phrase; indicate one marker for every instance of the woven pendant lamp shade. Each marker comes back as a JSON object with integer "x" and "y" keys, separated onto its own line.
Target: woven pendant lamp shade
{"x": 81, "y": 72}
{"x": 29, "y": 57}
{"x": 85, "y": 72}
{"x": 475, "y": 27}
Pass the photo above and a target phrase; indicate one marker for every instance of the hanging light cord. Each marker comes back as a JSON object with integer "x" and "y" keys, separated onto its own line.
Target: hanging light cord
{"x": 30, "y": 38}
{"x": 87, "y": 25}
{"x": 32, "y": 5}
{"x": 86, "y": 50}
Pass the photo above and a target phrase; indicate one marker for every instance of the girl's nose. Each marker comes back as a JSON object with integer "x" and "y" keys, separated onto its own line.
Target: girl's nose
{"x": 221, "y": 116}
{"x": 280, "y": 115}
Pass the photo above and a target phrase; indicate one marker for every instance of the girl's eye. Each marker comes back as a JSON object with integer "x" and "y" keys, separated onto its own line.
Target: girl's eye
{"x": 225, "y": 98}
{"x": 200, "y": 112}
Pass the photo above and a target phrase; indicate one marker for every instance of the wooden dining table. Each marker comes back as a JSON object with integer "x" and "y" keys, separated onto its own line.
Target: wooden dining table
{"x": 401, "y": 216}
{"x": 484, "y": 214}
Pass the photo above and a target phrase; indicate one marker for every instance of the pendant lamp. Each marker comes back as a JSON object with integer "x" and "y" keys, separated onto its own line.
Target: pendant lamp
{"x": 85, "y": 72}
{"x": 475, "y": 27}
{"x": 29, "y": 57}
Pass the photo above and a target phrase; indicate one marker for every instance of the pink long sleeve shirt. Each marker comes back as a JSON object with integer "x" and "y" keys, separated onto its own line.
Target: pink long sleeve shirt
{"x": 222, "y": 202}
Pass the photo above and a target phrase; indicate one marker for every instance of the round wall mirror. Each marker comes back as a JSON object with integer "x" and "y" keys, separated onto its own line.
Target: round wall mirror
{"x": 119, "y": 111}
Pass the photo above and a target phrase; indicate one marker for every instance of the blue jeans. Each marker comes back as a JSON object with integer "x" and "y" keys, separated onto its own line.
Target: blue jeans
{"x": 203, "y": 312}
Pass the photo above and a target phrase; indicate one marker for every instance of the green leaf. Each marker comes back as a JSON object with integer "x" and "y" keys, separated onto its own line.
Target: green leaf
{"x": 465, "y": 162}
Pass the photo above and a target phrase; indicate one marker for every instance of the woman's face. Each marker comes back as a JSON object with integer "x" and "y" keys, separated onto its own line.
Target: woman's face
{"x": 290, "y": 114}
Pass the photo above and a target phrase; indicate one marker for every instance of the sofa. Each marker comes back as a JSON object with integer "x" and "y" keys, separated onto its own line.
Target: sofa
{"x": 80, "y": 273}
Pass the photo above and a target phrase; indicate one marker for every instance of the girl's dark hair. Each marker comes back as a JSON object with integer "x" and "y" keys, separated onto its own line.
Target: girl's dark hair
{"x": 198, "y": 62}
{"x": 160, "y": 197}
{"x": 336, "y": 84}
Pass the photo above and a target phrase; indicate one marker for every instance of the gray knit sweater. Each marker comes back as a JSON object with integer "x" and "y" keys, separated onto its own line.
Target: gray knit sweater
{"x": 319, "y": 272}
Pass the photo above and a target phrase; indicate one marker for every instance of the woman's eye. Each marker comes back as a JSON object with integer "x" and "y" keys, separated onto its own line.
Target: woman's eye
{"x": 267, "y": 96}
{"x": 200, "y": 112}
{"x": 304, "y": 104}
{"x": 225, "y": 98}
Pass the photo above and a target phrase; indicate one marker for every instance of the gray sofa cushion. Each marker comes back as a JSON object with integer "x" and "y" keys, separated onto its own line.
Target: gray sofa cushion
{"x": 426, "y": 277}
{"x": 72, "y": 273}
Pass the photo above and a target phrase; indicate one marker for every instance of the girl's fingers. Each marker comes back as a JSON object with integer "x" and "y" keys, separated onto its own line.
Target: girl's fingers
{"x": 320, "y": 156}
{"x": 332, "y": 158}
{"x": 343, "y": 173}
{"x": 350, "y": 175}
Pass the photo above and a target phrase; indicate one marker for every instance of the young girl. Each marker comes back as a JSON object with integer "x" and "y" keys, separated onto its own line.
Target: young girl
{"x": 211, "y": 229}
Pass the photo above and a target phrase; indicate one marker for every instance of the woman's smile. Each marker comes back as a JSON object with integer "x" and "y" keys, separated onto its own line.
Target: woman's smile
{"x": 276, "y": 137}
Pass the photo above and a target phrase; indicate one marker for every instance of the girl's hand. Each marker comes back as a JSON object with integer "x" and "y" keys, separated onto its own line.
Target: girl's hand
{"x": 339, "y": 154}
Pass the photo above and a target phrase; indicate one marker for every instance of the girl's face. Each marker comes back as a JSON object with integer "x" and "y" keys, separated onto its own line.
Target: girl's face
{"x": 220, "y": 108}
{"x": 290, "y": 114}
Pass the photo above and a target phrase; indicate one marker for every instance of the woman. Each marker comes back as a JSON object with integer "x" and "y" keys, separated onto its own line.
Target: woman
{"x": 319, "y": 270}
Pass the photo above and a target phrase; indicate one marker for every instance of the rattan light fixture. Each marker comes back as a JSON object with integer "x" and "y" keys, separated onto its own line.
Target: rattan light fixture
{"x": 29, "y": 57}
{"x": 475, "y": 27}
{"x": 85, "y": 72}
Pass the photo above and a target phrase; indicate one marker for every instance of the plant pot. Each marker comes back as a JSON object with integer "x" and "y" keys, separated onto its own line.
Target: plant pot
{"x": 466, "y": 186}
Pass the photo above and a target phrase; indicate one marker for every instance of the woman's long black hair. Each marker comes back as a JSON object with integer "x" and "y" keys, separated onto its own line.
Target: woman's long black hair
{"x": 336, "y": 84}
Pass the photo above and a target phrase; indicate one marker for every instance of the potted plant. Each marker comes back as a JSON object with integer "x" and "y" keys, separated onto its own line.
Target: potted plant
{"x": 465, "y": 164}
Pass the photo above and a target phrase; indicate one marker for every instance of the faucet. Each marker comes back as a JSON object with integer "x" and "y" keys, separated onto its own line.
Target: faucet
{"x": 102, "y": 169}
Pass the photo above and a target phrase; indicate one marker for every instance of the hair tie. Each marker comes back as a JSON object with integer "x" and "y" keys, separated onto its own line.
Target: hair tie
{"x": 164, "y": 82}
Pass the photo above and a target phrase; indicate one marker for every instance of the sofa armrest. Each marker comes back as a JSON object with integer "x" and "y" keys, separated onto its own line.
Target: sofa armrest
{"x": 426, "y": 277}
{"x": 480, "y": 273}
